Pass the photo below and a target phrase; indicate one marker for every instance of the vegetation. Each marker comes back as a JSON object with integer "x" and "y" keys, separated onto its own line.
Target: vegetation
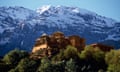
{"x": 25, "y": 65}
{"x": 69, "y": 59}
{"x": 90, "y": 52}
{"x": 14, "y": 56}
{"x": 70, "y": 66}
{"x": 112, "y": 58}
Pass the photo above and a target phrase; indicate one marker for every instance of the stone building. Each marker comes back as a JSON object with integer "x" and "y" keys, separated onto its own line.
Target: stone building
{"x": 41, "y": 47}
{"x": 51, "y": 45}
{"x": 60, "y": 39}
{"x": 77, "y": 42}
{"x": 103, "y": 47}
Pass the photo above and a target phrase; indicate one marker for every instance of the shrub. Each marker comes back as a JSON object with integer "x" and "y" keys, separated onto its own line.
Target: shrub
{"x": 14, "y": 56}
{"x": 70, "y": 66}
{"x": 112, "y": 58}
{"x": 26, "y": 65}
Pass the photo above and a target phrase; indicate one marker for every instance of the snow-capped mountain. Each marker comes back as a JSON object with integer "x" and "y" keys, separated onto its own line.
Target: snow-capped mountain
{"x": 19, "y": 26}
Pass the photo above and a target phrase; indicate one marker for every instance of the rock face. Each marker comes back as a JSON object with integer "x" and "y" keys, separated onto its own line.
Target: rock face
{"x": 19, "y": 26}
{"x": 51, "y": 45}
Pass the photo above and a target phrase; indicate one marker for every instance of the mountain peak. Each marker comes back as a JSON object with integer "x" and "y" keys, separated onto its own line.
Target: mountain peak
{"x": 43, "y": 9}
{"x": 63, "y": 9}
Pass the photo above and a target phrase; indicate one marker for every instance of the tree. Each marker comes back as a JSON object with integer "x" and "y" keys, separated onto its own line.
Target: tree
{"x": 71, "y": 52}
{"x": 45, "y": 65}
{"x": 93, "y": 58}
{"x": 112, "y": 58}
{"x": 13, "y": 70}
{"x": 70, "y": 66}
{"x": 58, "y": 66}
{"x": 66, "y": 54}
{"x": 91, "y": 52}
{"x": 26, "y": 65}
{"x": 98, "y": 54}
{"x": 14, "y": 56}
{"x": 87, "y": 52}
{"x": 59, "y": 56}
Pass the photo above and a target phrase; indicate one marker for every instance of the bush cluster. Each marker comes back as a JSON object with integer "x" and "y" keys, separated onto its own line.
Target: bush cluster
{"x": 67, "y": 60}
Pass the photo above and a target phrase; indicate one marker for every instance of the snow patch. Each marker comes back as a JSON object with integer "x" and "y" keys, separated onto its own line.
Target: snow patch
{"x": 43, "y": 9}
{"x": 76, "y": 10}
{"x": 112, "y": 37}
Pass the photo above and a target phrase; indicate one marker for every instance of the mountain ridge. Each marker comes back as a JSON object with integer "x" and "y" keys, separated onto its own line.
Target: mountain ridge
{"x": 19, "y": 26}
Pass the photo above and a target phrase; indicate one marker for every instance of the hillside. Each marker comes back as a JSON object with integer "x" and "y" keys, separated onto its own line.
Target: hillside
{"x": 19, "y": 26}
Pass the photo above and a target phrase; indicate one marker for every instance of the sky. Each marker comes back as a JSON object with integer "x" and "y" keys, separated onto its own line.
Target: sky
{"x": 107, "y": 8}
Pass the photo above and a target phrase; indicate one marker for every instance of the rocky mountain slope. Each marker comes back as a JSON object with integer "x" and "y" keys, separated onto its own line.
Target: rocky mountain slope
{"x": 19, "y": 26}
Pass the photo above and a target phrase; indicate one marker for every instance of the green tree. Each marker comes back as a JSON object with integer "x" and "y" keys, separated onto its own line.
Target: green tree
{"x": 93, "y": 58}
{"x": 45, "y": 65}
{"x": 98, "y": 55}
{"x": 59, "y": 56}
{"x": 70, "y": 66}
{"x": 87, "y": 52}
{"x": 58, "y": 66}
{"x": 66, "y": 54}
{"x": 112, "y": 58}
{"x": 14, "y": 56}
{"x": 91, "y": 52}
{"x": 13, "y": 70}
{"x": 71, "y": 52}
{"x": 26, "y": 65}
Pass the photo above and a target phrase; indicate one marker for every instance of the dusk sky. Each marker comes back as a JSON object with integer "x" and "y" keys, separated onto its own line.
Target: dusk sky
{"x": 108, "y": 8}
